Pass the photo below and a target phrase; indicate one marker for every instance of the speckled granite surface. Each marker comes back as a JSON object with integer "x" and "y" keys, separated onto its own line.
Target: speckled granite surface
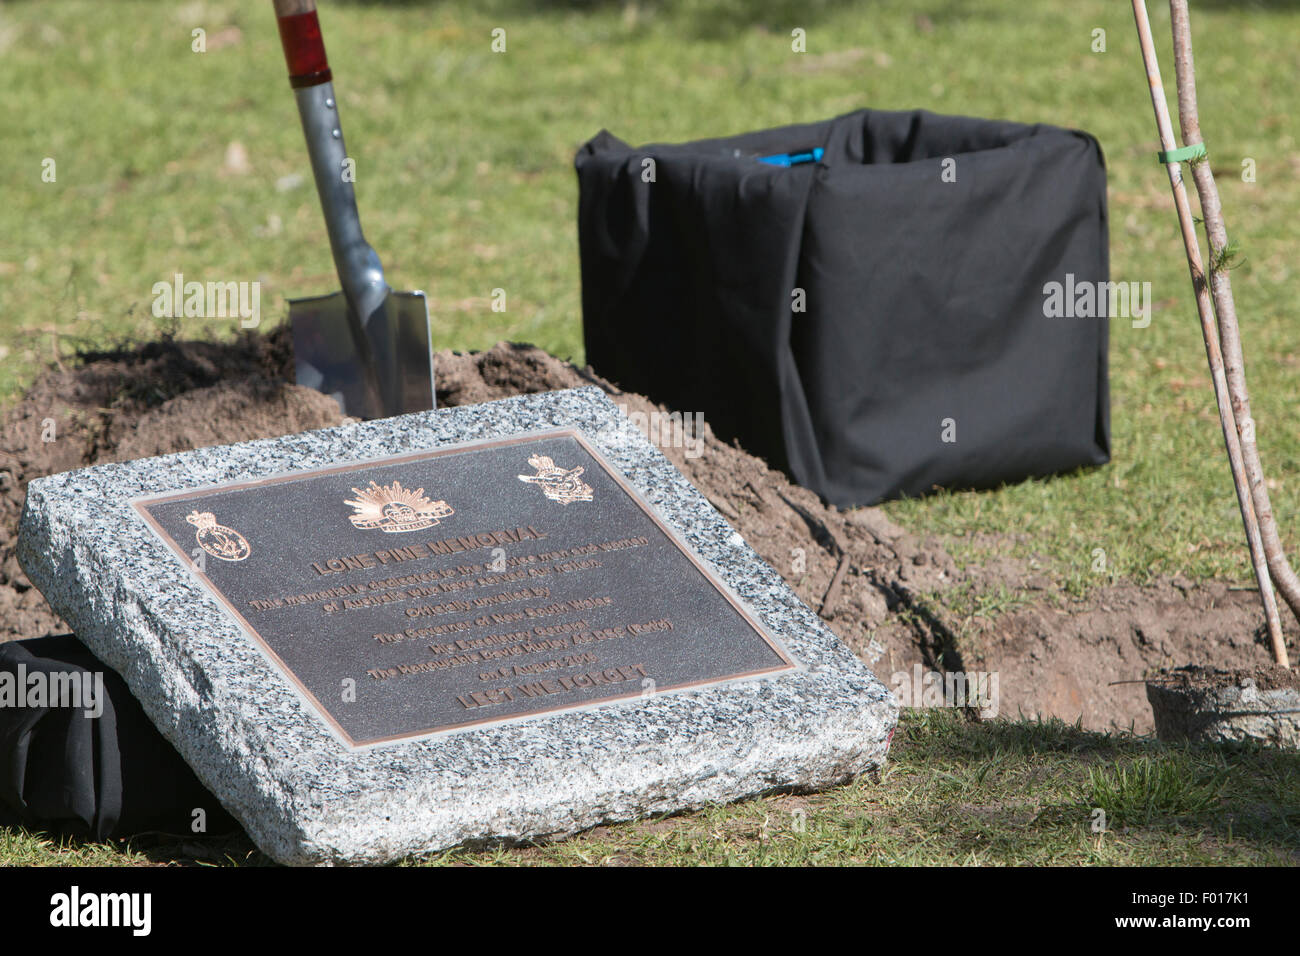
{"x": 305, "y": 798}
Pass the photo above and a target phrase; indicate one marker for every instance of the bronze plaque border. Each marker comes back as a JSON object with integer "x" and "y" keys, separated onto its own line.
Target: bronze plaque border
{"x": 139, "y": 504}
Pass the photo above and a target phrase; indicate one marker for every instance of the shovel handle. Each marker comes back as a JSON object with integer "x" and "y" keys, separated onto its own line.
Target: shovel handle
{"x": 359, "y": 269}
{"x": 304, "y": 47}
{"x": 287, "y": 8}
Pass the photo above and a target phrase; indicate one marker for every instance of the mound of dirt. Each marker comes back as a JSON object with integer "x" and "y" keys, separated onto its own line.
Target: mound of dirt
{"x": 1196, "y": 676}
{"x": 869, "y": 578}
{"x": 129, "y": 403}
{"x": 1084, "y": 660}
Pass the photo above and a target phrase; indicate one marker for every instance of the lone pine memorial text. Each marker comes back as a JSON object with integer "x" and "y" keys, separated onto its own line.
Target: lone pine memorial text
{"x": 435, "y": 591}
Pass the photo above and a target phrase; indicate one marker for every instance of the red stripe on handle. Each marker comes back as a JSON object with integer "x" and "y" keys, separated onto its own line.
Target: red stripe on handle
{"x": 304, "y": 49}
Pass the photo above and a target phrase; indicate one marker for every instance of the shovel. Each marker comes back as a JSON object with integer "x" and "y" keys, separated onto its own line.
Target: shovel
{"x": 366, "y": 346}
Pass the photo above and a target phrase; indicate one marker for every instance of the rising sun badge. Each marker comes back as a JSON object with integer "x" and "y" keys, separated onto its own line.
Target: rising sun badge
{"x": 218, "y": 540}
{"x": 558, "y": 484}
{"x": 394, "y": 509}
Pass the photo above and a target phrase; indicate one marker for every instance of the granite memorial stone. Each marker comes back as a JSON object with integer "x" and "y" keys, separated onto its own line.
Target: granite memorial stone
{"x": 504, "y": 621}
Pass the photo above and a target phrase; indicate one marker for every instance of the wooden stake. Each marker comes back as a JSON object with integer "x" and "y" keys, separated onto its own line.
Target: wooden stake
{"x": 1225, "y": 312}
{"x": 1209, "y": 333}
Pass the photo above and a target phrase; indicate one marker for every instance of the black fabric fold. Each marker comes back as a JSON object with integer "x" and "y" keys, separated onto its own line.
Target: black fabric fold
{"x": 67, "y": 770}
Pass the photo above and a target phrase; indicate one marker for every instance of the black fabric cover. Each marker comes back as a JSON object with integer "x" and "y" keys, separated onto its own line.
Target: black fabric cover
{"x": 924, "y": 298}
{"x": 107, "y": 776}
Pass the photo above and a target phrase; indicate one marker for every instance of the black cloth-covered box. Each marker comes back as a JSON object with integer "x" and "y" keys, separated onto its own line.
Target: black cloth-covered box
{"x": 91, "y": 766}
{"x": 873, "y": 323}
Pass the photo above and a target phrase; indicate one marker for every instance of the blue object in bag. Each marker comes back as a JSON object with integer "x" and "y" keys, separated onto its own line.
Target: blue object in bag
{"x": 794, "y": 159}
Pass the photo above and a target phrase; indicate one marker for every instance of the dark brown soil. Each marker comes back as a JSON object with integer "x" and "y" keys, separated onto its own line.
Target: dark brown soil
{"x": 1268, "y": 677}
{"x": 161, "y": 397}
{"x": 869, "y": 578}
{"x": 1085, "y": 659}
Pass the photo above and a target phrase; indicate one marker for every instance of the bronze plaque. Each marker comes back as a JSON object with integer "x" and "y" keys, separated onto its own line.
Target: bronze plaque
{"x": 441, "y": 590}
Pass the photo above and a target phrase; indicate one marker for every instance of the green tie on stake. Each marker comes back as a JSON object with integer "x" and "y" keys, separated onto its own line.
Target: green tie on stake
{"x": 1222, "y": 337}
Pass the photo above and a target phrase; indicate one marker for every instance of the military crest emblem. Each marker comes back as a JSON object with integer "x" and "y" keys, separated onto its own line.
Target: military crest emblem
{"x": 559, "y": 484}
{"x": 394, "y": 509}
{"x": 218, "y": 540}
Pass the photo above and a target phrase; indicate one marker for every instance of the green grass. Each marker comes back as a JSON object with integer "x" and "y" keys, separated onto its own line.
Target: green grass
{"x": 954, "y": 792}
{"x": 1148, "y": 789}
{"x": 466, "y": 185}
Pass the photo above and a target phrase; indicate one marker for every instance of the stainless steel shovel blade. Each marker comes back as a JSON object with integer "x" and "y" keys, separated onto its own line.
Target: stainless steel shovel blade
{"x": 397, "y": 333}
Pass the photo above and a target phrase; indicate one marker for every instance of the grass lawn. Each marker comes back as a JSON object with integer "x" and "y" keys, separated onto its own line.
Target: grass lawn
{"x": 954, "y": 792}
{"x": 169, "y": 161}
